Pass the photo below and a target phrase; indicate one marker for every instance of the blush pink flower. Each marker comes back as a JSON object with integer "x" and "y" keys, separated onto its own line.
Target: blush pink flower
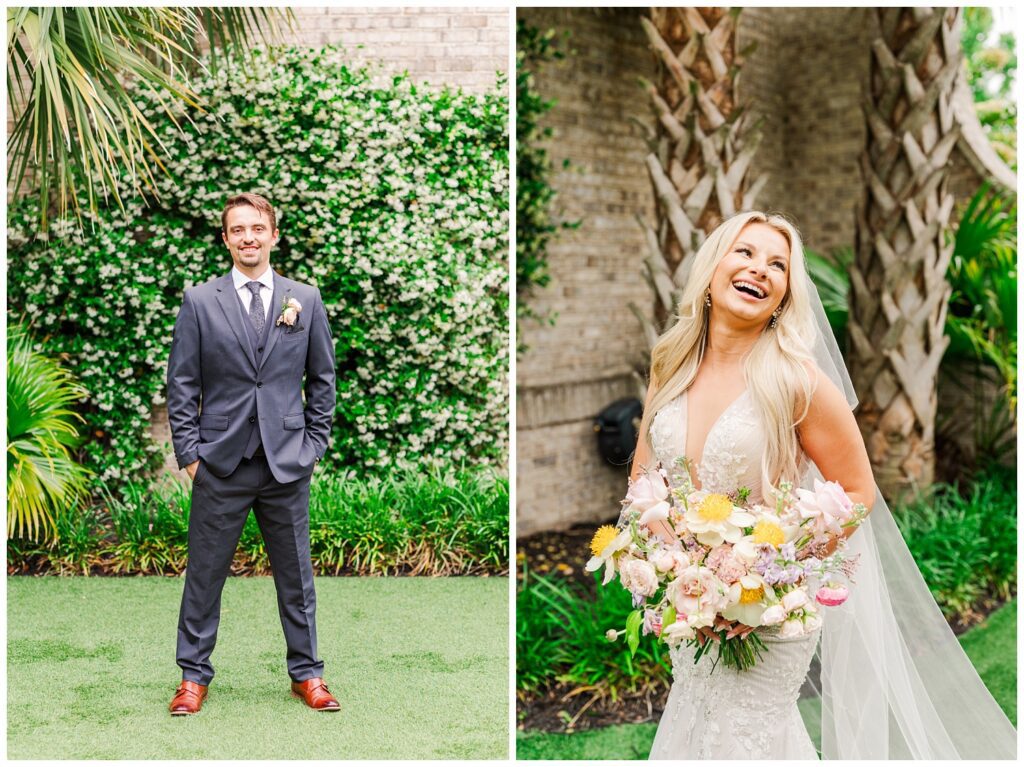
{"x": 648, "y": 495}
{"x": 827, "y": 505}
{"x": 638, "y": 576}
{"x": 832, "y": 595}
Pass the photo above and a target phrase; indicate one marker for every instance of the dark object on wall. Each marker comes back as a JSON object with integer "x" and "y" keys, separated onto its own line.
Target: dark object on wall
{"x": 616, "y": 427}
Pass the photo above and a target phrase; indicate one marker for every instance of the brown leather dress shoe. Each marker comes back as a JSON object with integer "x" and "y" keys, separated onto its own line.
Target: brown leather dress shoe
{"x": 188, "y": 699}
{"x": 316, "y": 695}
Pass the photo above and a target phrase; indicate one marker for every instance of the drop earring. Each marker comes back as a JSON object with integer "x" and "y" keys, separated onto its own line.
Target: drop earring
{"x": 775, "y": 319}
{"x": 707, "y": 298}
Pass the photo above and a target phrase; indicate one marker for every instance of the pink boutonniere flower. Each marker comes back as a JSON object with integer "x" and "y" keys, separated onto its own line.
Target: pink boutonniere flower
{"x": 290, "y": 309}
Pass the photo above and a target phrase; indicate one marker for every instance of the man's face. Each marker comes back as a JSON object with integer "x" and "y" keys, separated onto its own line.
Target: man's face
{"x": 249, "y": 238}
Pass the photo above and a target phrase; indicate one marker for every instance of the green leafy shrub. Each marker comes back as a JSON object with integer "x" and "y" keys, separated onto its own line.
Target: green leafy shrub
{"x": 392, "y": 199}
{"x": 965, "y": 544}
{"x": 560, "y": 637}
{"x": 150, "y": 531}
{"x": 412, "y": 523}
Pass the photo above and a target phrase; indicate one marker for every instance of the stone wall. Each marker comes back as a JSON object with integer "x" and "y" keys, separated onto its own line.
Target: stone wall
{"x": 805, "y": 77}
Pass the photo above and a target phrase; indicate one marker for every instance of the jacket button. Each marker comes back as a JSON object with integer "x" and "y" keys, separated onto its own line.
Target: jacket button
{"x": 252, "y": 419}
{"x": 259, "y": 384}
{"x": 260, "y": 350}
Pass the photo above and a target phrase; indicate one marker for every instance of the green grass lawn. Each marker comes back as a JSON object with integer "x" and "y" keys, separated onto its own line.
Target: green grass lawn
{"x": 991, "y": 646}
{"x": 420, "y": 666}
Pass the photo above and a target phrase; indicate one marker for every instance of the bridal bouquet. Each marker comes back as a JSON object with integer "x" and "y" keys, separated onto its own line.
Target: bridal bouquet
{"x": 732, "y": 562}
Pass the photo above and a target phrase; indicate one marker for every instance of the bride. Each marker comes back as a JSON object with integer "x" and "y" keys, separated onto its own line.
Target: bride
{"x": 750, "y": 387}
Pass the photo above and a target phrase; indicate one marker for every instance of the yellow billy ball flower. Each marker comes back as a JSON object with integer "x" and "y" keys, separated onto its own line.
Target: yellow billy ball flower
{"x": 715, "y": 508}
{"x": 604, "y": 535}
{"x": 768, "y": 532}
{"x": 751, "y": 596}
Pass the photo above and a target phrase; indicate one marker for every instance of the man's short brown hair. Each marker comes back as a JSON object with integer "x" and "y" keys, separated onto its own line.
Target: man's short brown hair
{"x": 262, "y": 204}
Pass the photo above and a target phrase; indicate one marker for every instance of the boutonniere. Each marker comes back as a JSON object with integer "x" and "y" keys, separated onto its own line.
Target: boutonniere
{"x": 290, "y": 309}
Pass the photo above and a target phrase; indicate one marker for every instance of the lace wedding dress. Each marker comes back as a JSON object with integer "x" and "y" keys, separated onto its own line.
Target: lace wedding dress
{"x": 729, "y": 714}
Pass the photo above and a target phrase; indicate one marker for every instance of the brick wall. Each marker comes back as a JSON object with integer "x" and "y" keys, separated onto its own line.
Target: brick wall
{"x": 585, "y": 360}
{"x": 805, "y": 77}
{"x": 442, "y": 46}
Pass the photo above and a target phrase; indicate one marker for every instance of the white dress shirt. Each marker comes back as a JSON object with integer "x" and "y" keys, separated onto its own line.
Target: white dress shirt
{"x": 266, "y": 291}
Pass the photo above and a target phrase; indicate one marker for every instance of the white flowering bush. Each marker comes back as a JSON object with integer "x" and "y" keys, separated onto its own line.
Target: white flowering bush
{"x": 391, "y": 198}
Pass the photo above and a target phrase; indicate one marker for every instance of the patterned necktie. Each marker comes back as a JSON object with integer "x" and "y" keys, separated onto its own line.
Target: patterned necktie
{"x": 256, "y": 311}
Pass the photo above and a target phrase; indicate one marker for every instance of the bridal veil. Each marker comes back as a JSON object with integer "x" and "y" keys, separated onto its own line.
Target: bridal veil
{"x": 894, "y": 681}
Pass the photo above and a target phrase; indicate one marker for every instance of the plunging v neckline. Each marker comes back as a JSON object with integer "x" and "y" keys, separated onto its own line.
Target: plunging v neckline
{"x": 695, "y": 464}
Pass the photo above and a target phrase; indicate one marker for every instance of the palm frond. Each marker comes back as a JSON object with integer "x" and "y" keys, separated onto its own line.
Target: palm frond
{"x": 42, "y": 476}
{"x": 76, "y": 127}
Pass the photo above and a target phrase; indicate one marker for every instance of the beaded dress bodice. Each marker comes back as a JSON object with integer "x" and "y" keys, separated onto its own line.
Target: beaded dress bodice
{"x": 732, "y": 451}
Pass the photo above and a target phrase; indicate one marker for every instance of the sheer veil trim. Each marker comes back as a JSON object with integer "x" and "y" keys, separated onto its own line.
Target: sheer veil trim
{"x": 894, "y": 681}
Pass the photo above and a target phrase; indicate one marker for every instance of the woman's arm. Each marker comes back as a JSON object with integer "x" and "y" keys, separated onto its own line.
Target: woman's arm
{"x": 831, "y": 438}
{"x": 642, "y": 461}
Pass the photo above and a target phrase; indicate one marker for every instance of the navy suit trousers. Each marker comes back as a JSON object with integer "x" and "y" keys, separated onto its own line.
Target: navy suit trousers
{"x": 220, "y": 506}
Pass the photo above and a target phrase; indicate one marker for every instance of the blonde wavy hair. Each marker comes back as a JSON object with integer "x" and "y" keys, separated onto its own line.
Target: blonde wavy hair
{"x": 776, "y": 369}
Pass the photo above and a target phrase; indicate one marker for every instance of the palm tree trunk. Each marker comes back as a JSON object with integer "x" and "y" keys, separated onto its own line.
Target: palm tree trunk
{"x": 899, "y": 292}
{"x": 701, "y": 148}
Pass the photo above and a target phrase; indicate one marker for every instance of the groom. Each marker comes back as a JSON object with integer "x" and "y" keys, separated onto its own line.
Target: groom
{"x": 242, "y": 344}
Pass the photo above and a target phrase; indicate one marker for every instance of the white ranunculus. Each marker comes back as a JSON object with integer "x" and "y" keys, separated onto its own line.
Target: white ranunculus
{"x": 773, "y": 615}
{"x": 677, "y": 632}
{"x": 791, "y": 629}
{"x": 794, "y": 599}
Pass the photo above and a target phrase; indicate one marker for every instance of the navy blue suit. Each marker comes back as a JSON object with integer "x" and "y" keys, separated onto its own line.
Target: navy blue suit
{"x": 235, "y": 403}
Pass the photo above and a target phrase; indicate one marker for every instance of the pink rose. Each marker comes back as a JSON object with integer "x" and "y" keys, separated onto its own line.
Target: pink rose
{"x": 648, "y": 496}
{"x": 639, "y": 577}
{"x": 828, "y": 505}
{"x": 725, "y": 565}
{"x": 289, "y": 316}
{"x": 773, "y": 615}
{"x": 832, "y": 595}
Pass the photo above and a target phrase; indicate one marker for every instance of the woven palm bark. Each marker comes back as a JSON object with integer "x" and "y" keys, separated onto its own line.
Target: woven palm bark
{"x": 700, "y": 148}
{"x": 899, "y": 292}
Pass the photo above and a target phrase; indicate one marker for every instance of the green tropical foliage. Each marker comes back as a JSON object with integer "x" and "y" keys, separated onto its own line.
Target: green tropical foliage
{"x": 830, "y": 275}
{"x": 42, "y": 474}
{"x": 991, "y": 71}
{"x": 982, "y": 320}
{"x": 965, "y": 543}
{"x": 77, "y": 129}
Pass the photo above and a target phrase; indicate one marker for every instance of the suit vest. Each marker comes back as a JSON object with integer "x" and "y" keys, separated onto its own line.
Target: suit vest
{"x": 258, "y": 344}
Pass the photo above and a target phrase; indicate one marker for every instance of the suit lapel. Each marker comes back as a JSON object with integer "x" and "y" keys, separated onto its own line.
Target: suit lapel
{"x": 232, "y": 308}
{"x": 281, "y": 292}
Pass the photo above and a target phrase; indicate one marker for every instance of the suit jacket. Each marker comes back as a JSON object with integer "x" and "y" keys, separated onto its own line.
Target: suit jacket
{"x": 219, "y": 389}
